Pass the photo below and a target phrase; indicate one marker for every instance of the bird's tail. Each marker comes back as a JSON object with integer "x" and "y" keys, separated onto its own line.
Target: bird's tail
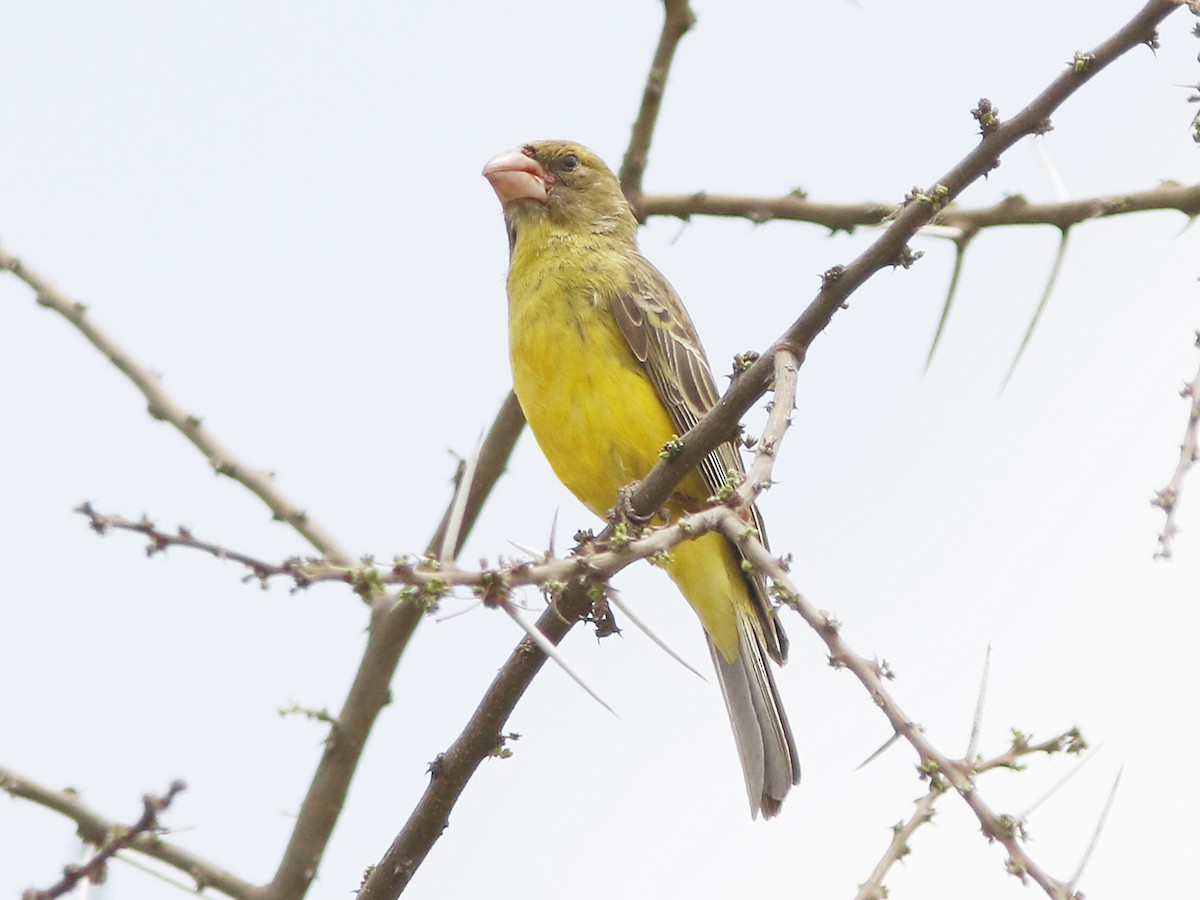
{"x": 760, "y": 727}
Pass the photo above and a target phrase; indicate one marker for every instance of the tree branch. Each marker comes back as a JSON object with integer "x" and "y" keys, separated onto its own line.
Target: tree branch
{"x": 96, "y": 829}
{"x": 392, "y": 624}
{"x": 452, "y": 770}
{"x": 1167, "y": 499}
{"x": 873, "y": 888}
{"x": 891, "y": 248}
{"x": 481, "y": 738}
{"x": 571, "y": 582}
{"x": 1016, "y": 210}
{"x": 934, "y": 765}
{"x": 162, "y": 406}
{"x": 678, "y": 19}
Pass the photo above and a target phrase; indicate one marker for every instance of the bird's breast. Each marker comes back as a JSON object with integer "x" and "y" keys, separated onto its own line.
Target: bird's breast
{"x": 586, "y": 397}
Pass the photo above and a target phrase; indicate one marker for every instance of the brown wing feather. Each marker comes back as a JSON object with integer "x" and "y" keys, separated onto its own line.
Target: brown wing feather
{"x": 662, "y": 337}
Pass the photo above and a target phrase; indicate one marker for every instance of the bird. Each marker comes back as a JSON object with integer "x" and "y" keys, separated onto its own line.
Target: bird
{"x": 608, "y": 368}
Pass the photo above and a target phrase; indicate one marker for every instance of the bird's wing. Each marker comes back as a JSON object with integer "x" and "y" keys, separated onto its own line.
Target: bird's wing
{"x": 662, "y": 337}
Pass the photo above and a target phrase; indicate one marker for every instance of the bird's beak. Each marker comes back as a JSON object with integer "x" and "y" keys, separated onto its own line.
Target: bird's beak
{"x": 515, "y": 175}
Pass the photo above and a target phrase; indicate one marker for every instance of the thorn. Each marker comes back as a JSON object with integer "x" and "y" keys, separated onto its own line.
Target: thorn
{"x": 552, "y": 652}
{"x": 977, "y": 722}
{"x": 529, "y": 551}
{"x": 615, "y": 601}
{"x": 1060, "y": 188}
{"x": 449, "y": 547}
{"x": 960, "y": 251}
{"x": 870, "y": 759}
{"x": 461, "y": 612}
{"x": 1054, "y": 788}
{"x": 1041, "y": 307}
{"x": 1087, "y": 854}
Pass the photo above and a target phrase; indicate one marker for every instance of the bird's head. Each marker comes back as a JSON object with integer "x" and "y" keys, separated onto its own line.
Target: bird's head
{"x": 560, "y": 183}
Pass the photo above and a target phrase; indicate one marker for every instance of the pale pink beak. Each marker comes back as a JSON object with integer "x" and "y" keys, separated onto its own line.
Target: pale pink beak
{"x": 515, "y": 175}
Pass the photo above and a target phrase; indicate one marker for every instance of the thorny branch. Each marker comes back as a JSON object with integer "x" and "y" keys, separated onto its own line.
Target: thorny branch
{"x": 890, "y": 249}
{"x": 1015, "y": 210}
{"x": 678, "y": 19}
{"x": 429, "y": 579}
{"x": 393, "y": 623}
{"x": 873, "y": 888}
{"x": 934, "y": 765}
{"x": 95, "y": 870}
{"x": 162, "y": 406}
{"x": 102, "y": 832}
{"x": 574, "y": 598}
{"x": 1167, "y": 499}
{"x": 411, "y": 846}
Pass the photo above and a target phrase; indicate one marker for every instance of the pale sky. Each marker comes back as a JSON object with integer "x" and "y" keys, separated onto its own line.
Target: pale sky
{"x": 278, "y": 207}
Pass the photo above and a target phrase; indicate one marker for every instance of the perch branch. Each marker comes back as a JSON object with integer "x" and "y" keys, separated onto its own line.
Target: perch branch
{"x": 891, "y": 247}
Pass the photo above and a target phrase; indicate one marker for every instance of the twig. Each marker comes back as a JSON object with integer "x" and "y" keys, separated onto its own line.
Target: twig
{"x": 97, "y": 830}
{"x": 1167, "y": 499}
{"x": 429, "y": 578}
{"x": 897, "y": 849}
{"x": 95, "y": 870}
{"x": 162, "y": 406}
{"x": 678, "y": 18}
{"x": 183, "y": 537}
{"x": 779, "y": 420}
{"x": 1016, "y": 210}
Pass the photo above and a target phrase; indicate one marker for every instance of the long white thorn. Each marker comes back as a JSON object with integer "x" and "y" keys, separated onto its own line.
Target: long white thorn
{"x": 645, "y": 629}
{"x": 1054, "y": 788}
{"x": 1056, "y": 181}
{"x": 553, "y": 530}
{"x": 529, "y": 551}
{"x": 1087, "y": 854}
{"x": 454, "y": 526}
{"x": 870, "y": 759}
{"x": 552, "y": 652}
{"x": 977, "y": 721}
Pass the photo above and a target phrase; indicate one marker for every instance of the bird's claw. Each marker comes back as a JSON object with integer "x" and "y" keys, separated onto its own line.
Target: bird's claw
{"x": 623, "y": 512}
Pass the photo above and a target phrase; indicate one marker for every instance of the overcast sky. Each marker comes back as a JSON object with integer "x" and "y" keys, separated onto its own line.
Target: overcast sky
{"x": 278, "y": 207}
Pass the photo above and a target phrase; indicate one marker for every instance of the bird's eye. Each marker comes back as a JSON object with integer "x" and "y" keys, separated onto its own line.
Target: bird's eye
{"x": 570, "y": 161}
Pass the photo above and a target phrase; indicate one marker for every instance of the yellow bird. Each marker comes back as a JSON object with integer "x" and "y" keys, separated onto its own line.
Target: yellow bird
{"x": 607, "y": 367}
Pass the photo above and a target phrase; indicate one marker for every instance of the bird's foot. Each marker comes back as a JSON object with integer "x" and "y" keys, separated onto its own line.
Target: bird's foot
{"x": 623, "y": 512}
